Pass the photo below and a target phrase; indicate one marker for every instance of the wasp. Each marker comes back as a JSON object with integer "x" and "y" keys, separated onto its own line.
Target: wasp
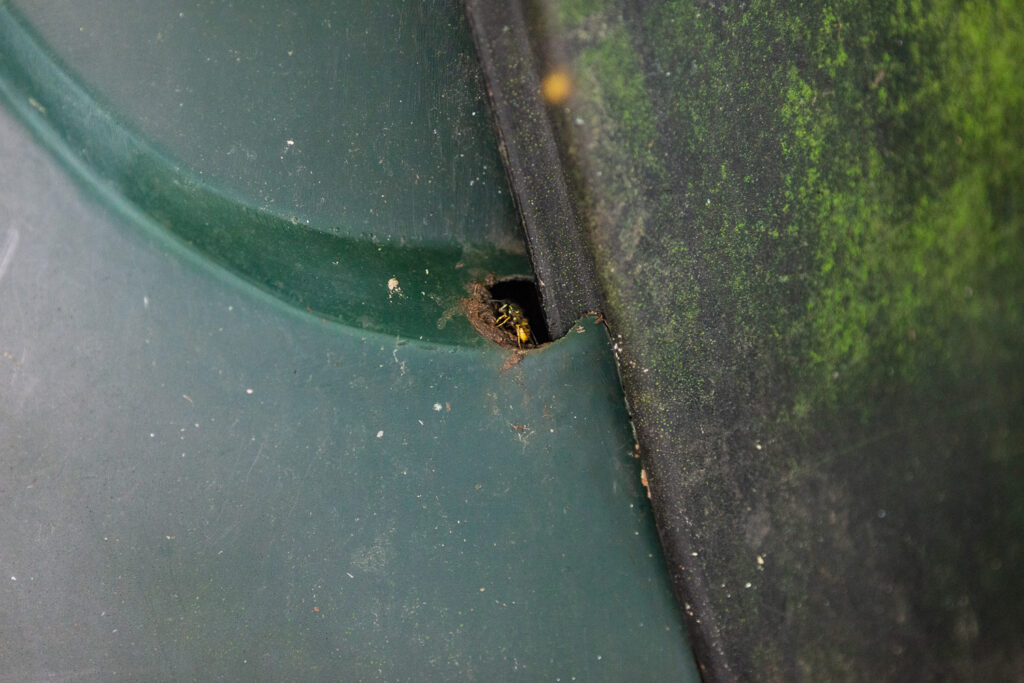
{"x": 511, "y": 317}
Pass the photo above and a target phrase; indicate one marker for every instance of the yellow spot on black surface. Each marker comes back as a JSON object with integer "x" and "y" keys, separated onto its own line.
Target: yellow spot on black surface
{"x": 556, "y": 87}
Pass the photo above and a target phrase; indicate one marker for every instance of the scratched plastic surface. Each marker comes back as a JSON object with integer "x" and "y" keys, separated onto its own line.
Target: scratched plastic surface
{"x": 202, "y": 481}
{"x": 315, "y": 107}
{"x": 362, "y": 156}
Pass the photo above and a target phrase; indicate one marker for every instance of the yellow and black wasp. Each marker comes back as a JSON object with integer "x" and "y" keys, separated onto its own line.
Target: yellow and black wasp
{"x": 510, "y": 316}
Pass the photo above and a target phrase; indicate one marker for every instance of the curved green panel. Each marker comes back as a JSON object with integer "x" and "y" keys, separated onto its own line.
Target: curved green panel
{"x": 394, "y": 241}
{"x": 202, "y": 483}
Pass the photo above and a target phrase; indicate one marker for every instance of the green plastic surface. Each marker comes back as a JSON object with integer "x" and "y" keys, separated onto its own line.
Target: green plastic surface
{"x": 320, "y": 176}
{"x": 204, "y": 481}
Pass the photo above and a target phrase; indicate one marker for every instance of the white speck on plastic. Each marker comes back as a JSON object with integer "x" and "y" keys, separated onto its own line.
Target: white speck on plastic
{"x": 249, "y": 391}
{"x": 380, "y": 434}
{"x": 437, "y": 407}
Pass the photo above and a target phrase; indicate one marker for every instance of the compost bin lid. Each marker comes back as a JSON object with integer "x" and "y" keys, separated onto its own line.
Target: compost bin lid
{"x": 247, "y": 430}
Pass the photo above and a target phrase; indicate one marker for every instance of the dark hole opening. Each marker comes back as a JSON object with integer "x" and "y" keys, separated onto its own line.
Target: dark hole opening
{"x": 524, "y": 294}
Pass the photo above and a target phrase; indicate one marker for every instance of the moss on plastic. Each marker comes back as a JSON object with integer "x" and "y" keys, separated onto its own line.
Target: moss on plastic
{"x": 809, "y": 225}
{"x": 853, "y": 170}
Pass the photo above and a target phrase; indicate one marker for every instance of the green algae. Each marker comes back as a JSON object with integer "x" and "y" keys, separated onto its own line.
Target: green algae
{"x": 912, "y": 248}
{"x": 612, "y": 68}
{"x": 573, "y": 12}
{"x": 864, "y": 171}
{"x": 808, "y": 228}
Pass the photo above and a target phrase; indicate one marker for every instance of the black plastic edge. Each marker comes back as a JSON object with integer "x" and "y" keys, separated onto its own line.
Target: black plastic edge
{"x": 562, "y": 260}
{"x": 565, "y": 269}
